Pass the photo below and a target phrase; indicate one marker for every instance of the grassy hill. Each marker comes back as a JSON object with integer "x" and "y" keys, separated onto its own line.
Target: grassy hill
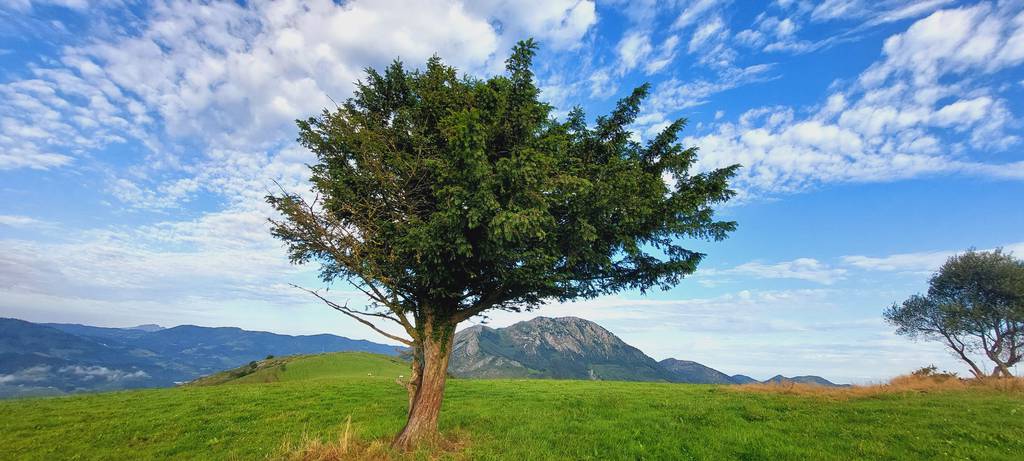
{"x": 338, "y": 366}
{"x": 257, "y": 414}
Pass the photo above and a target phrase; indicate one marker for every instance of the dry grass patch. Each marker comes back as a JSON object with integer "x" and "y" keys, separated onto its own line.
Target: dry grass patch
{"x": 349, "y": 447}
{"x": 921, "y": 381}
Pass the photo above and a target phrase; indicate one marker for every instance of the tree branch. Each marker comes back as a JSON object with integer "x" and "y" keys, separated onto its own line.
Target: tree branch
{"x": 344, "y": 309}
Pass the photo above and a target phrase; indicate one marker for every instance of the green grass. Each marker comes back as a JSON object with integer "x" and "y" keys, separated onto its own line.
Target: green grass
{"x": 344, "y": 366}
{"x": 512, "y": 419}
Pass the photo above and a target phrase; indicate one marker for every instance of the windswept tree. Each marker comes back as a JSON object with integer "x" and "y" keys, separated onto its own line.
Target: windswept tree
{"x": 441, "y": 197}
{"x": 975, "y": 307}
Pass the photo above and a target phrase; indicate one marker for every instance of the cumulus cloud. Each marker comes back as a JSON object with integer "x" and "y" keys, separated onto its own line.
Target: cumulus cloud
{"x": 898, "y": 120}
{"x": 236, "y": 75}
{"x": 201, "y": 99}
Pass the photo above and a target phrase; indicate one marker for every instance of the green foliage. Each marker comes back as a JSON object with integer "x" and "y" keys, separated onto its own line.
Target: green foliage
{"x": 443, "y": 195}
{"x": 932, "y": 371}
{"x": 521, "y": 419}
{"x": 975, "y": 305}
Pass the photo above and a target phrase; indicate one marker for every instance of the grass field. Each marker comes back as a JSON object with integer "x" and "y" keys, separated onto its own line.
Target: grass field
{"x": 510, "y": 419}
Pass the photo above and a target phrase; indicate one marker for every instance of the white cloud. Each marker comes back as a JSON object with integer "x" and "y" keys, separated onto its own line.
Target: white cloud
{"x": 707, "y": 32}
{"x": 875, "y": 12}
{"x": 779, "y": 33}
{"x": 602, "y": 84}
{"x": 808, "y": 269}
{"x": 26, "y": 5}
{"x": 979, "y": 39}
{"x": 18, "y": 221}
{"x": 237, "y": 76}
{"x": 899, "y": 120}
{"x": 924, "y": 262}
{"x": 674, "y": 94}
{"x": 693, "y": 11}
{"x": 772, "y": 33}
{"x": 28, "y": 375}
{"x": 210, "y": 92}
{"x": 634, "y": 48}
{"x": 92, "y": 372}
{"x": 666, "y": 53}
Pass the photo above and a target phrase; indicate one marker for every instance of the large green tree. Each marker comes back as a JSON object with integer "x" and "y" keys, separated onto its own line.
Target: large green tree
{"x": 975, "y": 306}
{"x": 442, "y": 196}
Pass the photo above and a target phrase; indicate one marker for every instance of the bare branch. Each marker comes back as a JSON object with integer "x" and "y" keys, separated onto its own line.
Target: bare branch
{"x": 344, "y": 309}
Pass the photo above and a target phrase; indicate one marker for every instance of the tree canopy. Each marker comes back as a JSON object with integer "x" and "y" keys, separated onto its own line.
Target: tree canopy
{"x": 441, "y": 196}
{"x": 975, "y": 306}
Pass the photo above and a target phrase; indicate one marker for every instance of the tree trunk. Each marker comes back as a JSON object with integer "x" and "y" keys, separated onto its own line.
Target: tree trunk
{"x": 426, "y": 404}
{"x": 414, "y": 375}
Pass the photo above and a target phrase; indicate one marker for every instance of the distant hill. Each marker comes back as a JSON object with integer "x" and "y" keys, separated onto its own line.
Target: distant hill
{"x": 818, "y": 380}
{"x": 574, "y": 348}
{"x": 41, "y": 360}
{"x": 743, "y": 379}
{"x": 685, "y": 371}
{"x": 332, "y": 365}
{"x": 563, "y": 348}
{"x": 53, "y": 359}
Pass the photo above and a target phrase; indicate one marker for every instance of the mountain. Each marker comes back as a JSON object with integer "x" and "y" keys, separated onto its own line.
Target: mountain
{"x": 54, "y": 358}
{"x": 743, "y": 379}
{"x": 816, "y": 380}
{"x": 41, "y": 360}
{"x": 210, "y": 350}
{"x": 562, "y": 348}
{"x": 573, "y": 348}
{"x": 49, "y": 359}
{"x": 685, "y": 371}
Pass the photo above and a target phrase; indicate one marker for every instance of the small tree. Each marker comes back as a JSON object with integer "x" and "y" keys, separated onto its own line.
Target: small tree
{"x": 441, "y": 197}
{"x": 975, "y": 306}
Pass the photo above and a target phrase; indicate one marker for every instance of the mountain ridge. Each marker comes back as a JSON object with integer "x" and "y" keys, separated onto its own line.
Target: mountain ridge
{"x": 575, "y": 348}
{"x": 59, "y": 358}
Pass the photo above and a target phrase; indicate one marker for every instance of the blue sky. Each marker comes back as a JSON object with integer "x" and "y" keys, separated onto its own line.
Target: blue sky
{"x": 876, "y": 137}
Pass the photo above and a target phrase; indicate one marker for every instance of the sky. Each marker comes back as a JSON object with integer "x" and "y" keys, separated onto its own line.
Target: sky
{"x": 877, "y": 138}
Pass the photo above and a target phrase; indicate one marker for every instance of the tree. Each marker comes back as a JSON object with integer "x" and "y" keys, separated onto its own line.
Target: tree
{"x": 441, "y": 197}
{"x": 975, "y": 306}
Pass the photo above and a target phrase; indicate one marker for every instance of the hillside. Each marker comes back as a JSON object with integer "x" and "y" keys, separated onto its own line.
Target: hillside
{"x": 336, "y": 365}
{"x": 315, "y": 396}
{"x": 53, "y": 359}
